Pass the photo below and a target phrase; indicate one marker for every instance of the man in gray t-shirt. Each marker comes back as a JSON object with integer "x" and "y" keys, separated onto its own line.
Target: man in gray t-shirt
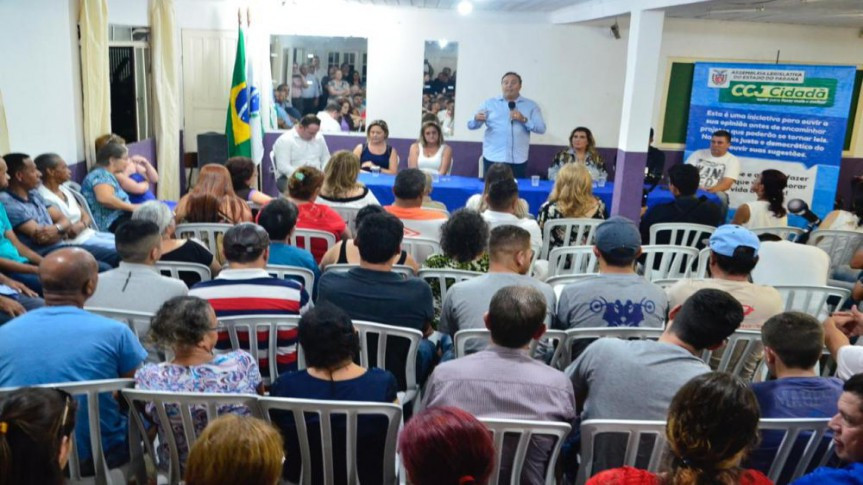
{"x": 623, "y": 379}
{"x": 509, "y": 261}
{"x": 617, "y": 297}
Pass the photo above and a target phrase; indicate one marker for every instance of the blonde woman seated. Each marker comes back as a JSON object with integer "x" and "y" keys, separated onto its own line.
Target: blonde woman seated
{"x": 571, "y": 197}
{"x": 213, "y": 200}
{"x": 428, "y": 203}
{"x": 430, "y": 154}
{"x": 235, "y": 449}
{"x": 341, "y": 188}
{"x": 346, "y": 252}
{"x": 376, "y": 152}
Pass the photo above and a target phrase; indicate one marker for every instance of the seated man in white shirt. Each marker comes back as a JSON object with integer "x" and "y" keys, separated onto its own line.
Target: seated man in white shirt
{"x": 502, "y": 200}
{"x": 304, "y": 145}
{"x": 718, "y": 168}
{"x": 779, "y": 263}
{"x": 330, "y": 118}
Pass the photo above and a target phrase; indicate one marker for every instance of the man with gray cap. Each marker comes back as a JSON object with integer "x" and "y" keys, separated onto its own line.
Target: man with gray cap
{"x": 617, "y": 297}
{"x": 245, "y": 288}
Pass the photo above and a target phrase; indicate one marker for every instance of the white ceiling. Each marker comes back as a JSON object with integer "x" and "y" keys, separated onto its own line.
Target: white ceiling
{"x": 839, "y": 13}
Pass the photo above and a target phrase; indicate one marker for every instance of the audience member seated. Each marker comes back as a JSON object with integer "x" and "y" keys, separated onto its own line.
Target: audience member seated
{"x": 446, "y": 118}
{"x": 793, "y": 343}
{"x": 463, "y": 240}
{"x": 286, "y": 114}
{"x": 376, "y": 152}
{"x": 637, "y": 379}
{"x": 428, "y": 203}
{"x": 503, "y": 381}
{"x": 837, "y": 330}
{"x": 408, "y": 191}
{"x": 446, "y": 446}
{"x": 138, "y": 179}
{"x": 17, "y": 300}
{"x": 373, "y": 292}
{"x": 844, "y": 220}
{"x": 341, "y": 188}
{"x": 686, "y": 208}
{"x": 304, "y": 186}
{"x": 136, "y": 284}
{"x": 245, "y": 288}
{"x": 55, "y": 173}
{"x": 847, "y": 438}
{"x": 330, "y": 345}
{"x": 213, "y": 200}
{"x": 107, "y": 200}
{"x": 581, "y": 151}
{"x": 235, "y": 449}
{"x": 64, "y": 343}
{"x": 498, "y": 171}
{"x": 179, "y": 250}
{"x": 346, "y": 251}
{"x": 186, "y": 327}
{"x": 509, "y": 262}
{"x": 36, "y": 427}
{"x": 502, "y": 199}
{"x": 430, "y": 153}
{"x": 733, "y": 254}
{"x": 330, "y": 117}
{"x": 769, "y": 209}
{"x": 779, "y": 263}
{"x": 304, "y": 145}
{"x": 571, "y": 198}
{"x": 244, "y": 176}
{"x": 278, "y": 218}
{"x": 39, "y": 225}
{"x": 617, "y": 297}
{"x": 712, "y": 424}
{"x": 17, "y": 260}
{"x": 349, "y": 117}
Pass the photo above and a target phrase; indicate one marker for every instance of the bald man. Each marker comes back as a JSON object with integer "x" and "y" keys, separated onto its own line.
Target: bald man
{"x": 63, "y": 343}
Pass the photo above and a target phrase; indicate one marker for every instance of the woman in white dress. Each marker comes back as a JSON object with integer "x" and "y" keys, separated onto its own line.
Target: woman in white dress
{"x": 430, "y": 154}
{"x": 847, "y": 220}
{"x": 768, "y": 210}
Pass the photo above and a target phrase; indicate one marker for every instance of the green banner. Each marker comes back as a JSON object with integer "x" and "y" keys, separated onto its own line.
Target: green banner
{"x": 812, "y": 92}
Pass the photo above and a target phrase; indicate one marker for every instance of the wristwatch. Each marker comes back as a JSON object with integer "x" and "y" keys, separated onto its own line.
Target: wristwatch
{"x": 59, "y": 228}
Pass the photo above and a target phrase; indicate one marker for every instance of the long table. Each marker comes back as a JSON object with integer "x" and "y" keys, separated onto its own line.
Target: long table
{"x": 454, "y": 191}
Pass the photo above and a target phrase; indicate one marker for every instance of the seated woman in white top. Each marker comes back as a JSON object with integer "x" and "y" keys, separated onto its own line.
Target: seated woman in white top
{"x": 768, "y": 210}
{"x": 341, "y": 188}
{"x": 847, "y": 220}
{"x": 430, "y": 154}
{"x": 55, "y": 173}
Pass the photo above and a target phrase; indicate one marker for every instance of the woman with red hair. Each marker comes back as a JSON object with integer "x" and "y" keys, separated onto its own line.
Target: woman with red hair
{"x": 213, "y": 199}
{"x": 446, "y": 446}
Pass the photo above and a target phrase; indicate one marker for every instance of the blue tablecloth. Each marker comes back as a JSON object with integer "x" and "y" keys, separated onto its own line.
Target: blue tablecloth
{"x": 454, "y": 191}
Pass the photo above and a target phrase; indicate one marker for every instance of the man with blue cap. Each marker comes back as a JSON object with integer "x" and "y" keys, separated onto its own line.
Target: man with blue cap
{"x": 733, "y": 255}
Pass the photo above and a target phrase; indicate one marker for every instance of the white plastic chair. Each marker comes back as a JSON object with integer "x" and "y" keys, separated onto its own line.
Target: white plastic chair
{"x": 786, "y": 233}
{"x": 740, "y": 348}
{"x": 383, "y": 333}
{"x": 402, "y": 269}
{"x": 90, "y": 391}
{"x": 325, "y": 411}
{"x": 138, "y": 322}
{"x": 635, "y": 431}
{"x": 241, "y": 328}
{"x": 284, "y": 272}
{"x": 525, "y": 431}
{"x": 666, "y": 262}
{"x": 839, "y": 245}
{"x": 572, "y": 260}
{"x": 551, "y": 338}
{"x": 573, "y": 335}
{"x": 584, "y": 230}
{"x": 420, "y": 247}
{"x": 445, "y": 278}
{"x": 703, "y": 263}
{"x": 187, "y": 405}
{"x": 348, "y": 214}
{"x": 681, "y": 234}
{"x": 302, "y": 238}
{"x": 174, "y": 269}
{"x": 207, "y": 233}
{"x": 85, "y": 207}
{"x": 666, "y": 283}
{"x": 794, "y": 431}
{"x": 812, "y": 299}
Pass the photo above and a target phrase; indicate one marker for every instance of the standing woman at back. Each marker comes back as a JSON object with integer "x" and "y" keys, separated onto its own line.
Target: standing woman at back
{"x": 769, "y": 209}
{"x": 36, "y": 427}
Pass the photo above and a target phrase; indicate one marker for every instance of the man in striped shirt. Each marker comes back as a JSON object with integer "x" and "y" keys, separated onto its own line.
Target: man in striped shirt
{"x": 245, "y": 288}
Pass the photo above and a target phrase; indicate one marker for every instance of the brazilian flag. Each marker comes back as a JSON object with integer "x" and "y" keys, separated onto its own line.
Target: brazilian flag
{"x": 237, "y": 127}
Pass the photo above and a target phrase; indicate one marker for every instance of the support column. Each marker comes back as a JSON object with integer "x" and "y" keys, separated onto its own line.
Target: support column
{"x": 639, "y": 91}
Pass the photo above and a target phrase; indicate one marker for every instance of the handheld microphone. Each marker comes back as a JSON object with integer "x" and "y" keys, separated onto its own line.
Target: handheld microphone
{"x": 511, "y": 109}
{"x": 801, "y": 208}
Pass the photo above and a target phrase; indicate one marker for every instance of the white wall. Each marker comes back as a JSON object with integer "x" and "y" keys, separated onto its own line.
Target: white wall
{"x": 40, "y": 77}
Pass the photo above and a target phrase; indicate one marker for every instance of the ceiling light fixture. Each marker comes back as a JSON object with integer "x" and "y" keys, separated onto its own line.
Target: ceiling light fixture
{"x": 465, "y": 7}
{"x": 443, "y": 43}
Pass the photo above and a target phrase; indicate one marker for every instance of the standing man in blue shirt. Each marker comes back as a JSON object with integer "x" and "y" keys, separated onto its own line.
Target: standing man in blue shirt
{"x": 509, "y": 120}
